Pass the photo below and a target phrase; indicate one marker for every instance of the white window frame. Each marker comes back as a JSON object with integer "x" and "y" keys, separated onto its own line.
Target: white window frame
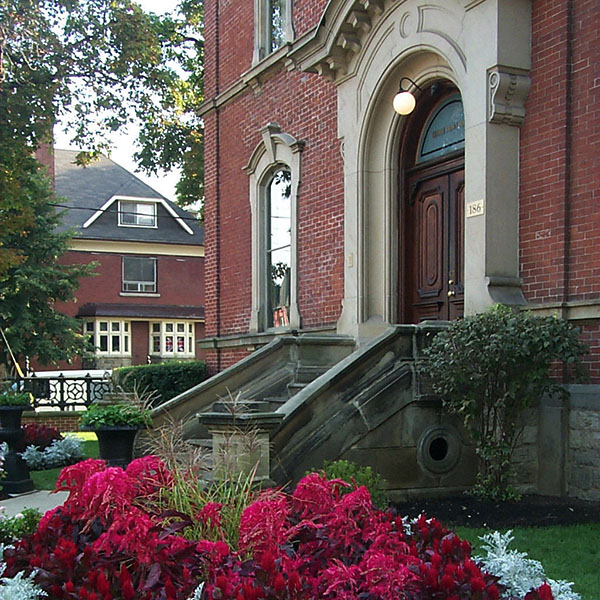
{"x": 137, "y": 214}
{"x": 167, "y": 333}
{"x": 138, "y": 287}
{"x": 263, "y": 28}
{"x": 113, "y": 331}
{"x": 277, "y": 150}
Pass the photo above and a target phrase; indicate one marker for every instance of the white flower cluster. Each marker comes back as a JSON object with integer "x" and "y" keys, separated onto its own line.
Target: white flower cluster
{"x": 516, "y": 571}
{"x": 197, "y": 595}
{"x": 3, "y": 453}
{"x": 19, "y": 587}
{"x": 58, "y": 454}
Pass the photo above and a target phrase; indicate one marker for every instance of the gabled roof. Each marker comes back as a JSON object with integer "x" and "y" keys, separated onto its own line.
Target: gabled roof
{"x": 92, "y": 193}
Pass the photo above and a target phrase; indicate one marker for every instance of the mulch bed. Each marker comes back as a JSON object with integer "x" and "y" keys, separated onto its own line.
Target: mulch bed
{"x": 531, "y": 511}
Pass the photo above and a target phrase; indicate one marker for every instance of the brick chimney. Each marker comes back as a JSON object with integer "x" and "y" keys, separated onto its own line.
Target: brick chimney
{"x": 45, "y": 155}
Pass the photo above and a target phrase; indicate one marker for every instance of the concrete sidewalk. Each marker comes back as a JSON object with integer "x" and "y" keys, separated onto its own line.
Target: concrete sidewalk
{"x": 42, "y": 500}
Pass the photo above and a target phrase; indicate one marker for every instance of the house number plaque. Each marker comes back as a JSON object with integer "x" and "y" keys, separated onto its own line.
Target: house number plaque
{"x": 476, "y": 208}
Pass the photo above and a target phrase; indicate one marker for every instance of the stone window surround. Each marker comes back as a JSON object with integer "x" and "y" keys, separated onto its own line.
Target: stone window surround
{"x": 262, "y": 28}
{"x": 276, "y": 150}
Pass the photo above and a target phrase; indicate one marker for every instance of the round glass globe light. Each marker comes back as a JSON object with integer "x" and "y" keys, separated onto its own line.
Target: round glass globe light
{"x": 404, "y": 103}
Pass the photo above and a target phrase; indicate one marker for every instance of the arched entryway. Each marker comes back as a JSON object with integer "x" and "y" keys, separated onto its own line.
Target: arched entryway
{"x": 431, "y": 209}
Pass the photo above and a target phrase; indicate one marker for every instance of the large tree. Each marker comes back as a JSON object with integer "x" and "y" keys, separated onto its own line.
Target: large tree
{"x": 32, "y": 285}
{"x": 97, "y": 65}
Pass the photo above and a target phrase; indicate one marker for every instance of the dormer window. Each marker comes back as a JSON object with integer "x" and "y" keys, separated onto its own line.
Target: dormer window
{"x": 137, "y": 214}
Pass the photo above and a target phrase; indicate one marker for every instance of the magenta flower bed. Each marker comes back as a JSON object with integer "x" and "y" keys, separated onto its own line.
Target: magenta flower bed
{"x": 107, "y": 542}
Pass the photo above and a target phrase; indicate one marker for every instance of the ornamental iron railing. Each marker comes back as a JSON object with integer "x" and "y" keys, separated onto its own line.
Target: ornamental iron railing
{"x": 63, "y": 393}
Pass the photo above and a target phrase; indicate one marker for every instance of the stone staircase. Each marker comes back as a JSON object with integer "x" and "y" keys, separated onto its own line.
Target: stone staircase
{"x": 334, "y": 400}
{"x": 275, "y": 374}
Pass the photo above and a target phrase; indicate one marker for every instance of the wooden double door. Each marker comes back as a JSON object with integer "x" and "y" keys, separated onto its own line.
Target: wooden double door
{"x": 432, "y": 252}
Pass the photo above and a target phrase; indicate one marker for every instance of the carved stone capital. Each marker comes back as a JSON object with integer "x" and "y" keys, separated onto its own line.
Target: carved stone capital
{"x": 507, "y": 91}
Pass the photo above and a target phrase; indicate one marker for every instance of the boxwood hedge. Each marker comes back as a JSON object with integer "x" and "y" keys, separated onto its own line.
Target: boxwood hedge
{"x": 168, "y": 379}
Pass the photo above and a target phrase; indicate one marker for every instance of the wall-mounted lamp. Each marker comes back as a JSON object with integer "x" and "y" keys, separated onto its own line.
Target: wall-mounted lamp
{"x": 404, "y": 101}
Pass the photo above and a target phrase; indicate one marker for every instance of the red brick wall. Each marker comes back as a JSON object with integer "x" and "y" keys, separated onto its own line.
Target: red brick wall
{"x": 63, "y": 421}
{"x": 308, "y": 114}
{"x": 180, "y": 281}
{"x": 590, "y": 334}
{"x": 560, "y": 177}
{"x": 307, "y": 14}
{"x": 584, "y": 196}
{"x": 45, "y": 155}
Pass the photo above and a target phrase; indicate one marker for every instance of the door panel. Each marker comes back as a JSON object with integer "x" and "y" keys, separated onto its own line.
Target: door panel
{"x": 433, "y": 248}
{"x": 456, "y": 258}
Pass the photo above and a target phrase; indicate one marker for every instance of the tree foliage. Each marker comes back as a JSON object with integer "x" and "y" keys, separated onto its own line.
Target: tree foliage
{"x": 96, "y": 65}
{"x": 32, "y": 285}
{"x": 488, "y": 368}
{"x": 99, "y": 65}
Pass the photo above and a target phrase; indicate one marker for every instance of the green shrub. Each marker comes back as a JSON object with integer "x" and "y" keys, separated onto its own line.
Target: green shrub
{"x": 120, "y": 413}
{"x": 355, "y": 474}
{"x": 14, "y": 528}
{"x": 490, "y": 367}
{"x": 167, "y": 379}
{"x": 15, "y": 399}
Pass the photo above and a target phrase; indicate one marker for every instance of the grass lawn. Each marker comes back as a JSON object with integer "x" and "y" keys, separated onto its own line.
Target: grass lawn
{"x": 46, "y": 480}
{"x": 566, "y": 552}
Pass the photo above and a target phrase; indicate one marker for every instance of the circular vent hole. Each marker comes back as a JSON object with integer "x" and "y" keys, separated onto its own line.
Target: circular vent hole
{"x": 438, "y": 449}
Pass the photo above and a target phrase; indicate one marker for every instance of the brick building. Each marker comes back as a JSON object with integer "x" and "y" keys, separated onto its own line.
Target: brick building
{"x": 146, "y": 301}
{"x": 310, "y": 86}
{"x": 329, "y": 213}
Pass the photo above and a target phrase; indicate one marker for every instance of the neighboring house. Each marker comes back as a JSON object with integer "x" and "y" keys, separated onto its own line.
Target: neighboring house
{"x": 146, "y": 303}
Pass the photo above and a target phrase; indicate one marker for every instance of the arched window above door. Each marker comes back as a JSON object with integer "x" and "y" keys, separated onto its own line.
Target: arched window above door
{"x": 444, "y": 131}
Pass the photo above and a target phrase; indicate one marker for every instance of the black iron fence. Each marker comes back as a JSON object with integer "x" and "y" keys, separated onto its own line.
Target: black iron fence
{"x": 63, "y": 393}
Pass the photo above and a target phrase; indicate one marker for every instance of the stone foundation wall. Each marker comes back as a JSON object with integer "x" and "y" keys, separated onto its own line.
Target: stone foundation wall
{"x": 559, "y": 450}
{"x": 583, "y": 458}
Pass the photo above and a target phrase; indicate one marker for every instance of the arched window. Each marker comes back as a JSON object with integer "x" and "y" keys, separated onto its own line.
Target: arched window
{"x": 274, "y": 171}
{"x": 278, "y": 250}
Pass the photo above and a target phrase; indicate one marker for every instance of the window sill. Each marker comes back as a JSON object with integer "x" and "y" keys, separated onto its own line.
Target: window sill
{"x": 173, "y": 356}
{"x": 140, "y": 294}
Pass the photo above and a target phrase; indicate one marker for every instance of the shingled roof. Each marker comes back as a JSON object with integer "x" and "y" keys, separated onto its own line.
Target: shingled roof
{"x": 92, "y": 193}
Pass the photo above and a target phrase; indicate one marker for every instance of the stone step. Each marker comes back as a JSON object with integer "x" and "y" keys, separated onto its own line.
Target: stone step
{"x": 293, "y": 388}
{"x": 276, "y": 400}
{"x": 308, "y": 373}
{"x": 205, "y": 443}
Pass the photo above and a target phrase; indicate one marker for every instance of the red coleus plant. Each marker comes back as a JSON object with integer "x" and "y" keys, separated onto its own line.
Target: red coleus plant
{"x": 103, "y": 544}
{"x": 320, "y": 544}
{"x": 37, "y": 434}
{"x": 107, "y": 542}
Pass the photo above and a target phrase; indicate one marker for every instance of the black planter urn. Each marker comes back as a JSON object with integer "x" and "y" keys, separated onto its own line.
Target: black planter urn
{"x": 115, "y": 443}
{"x": 17, "y": 480}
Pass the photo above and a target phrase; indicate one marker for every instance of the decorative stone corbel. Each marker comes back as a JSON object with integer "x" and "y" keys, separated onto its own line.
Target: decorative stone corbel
{"x": 508, "y": 92}
{"x": 268, "y": 132}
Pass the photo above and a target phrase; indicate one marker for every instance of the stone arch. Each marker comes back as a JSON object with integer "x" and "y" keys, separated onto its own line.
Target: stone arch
{"x": 365, "y": 48}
